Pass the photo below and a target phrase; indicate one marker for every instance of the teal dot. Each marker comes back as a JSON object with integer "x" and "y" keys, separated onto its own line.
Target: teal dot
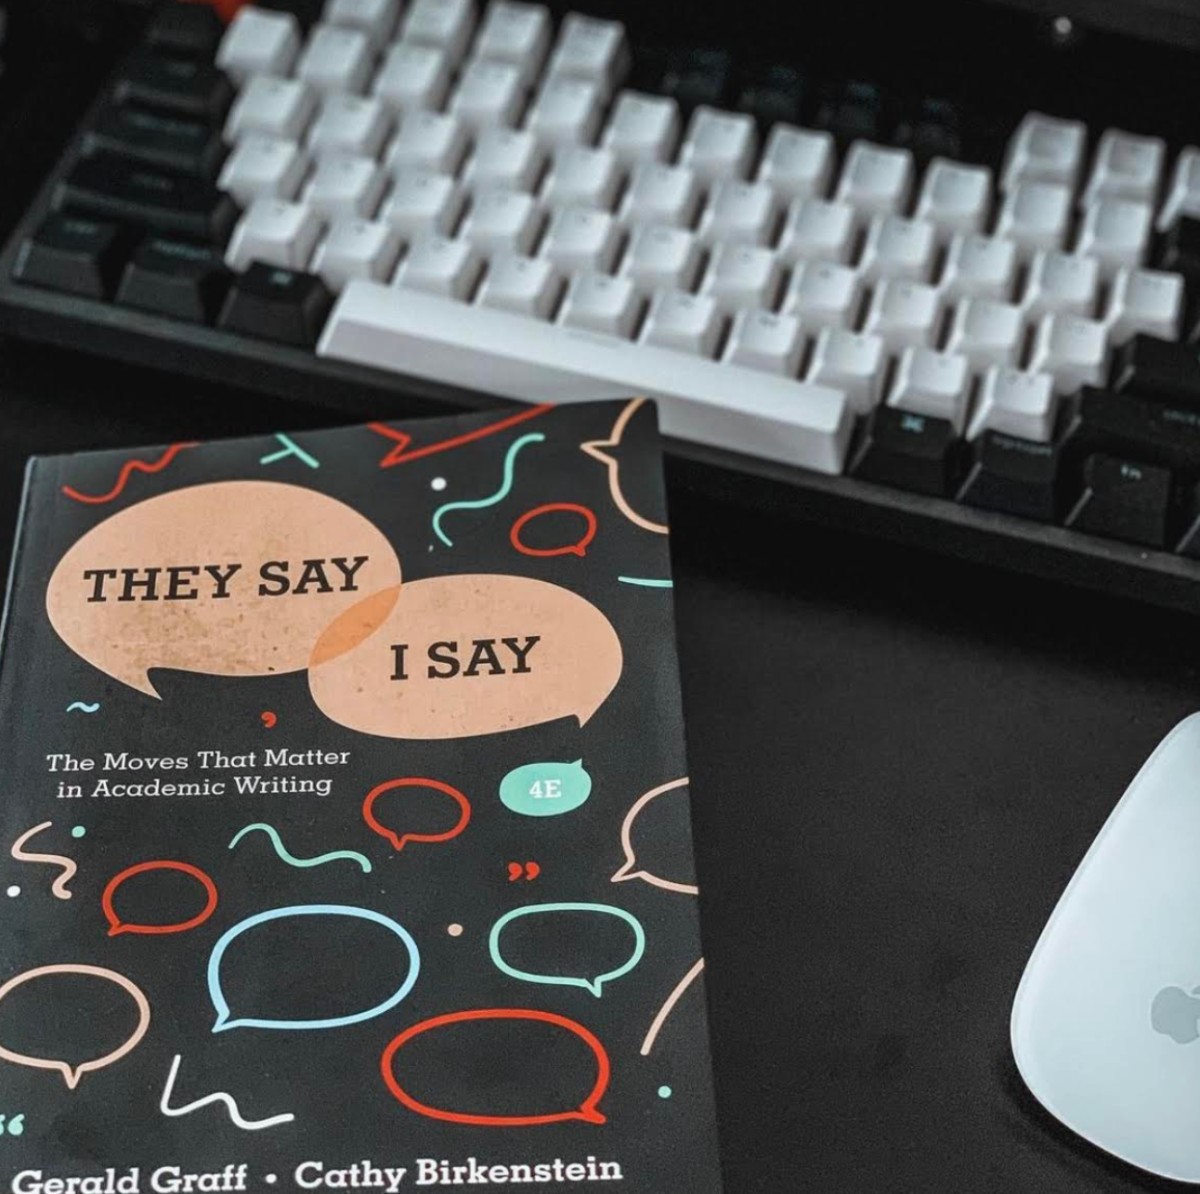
{"x": 664, "y": 1092}
{"x": 78, "y": 831}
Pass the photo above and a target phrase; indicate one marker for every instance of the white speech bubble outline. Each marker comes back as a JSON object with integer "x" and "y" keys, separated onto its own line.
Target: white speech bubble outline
{"x": 626, "y": 870}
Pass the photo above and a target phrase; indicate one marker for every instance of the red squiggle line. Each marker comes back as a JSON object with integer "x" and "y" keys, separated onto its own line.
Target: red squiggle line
{"x": 127, "y": 469}
{"x": 401, "y": 455}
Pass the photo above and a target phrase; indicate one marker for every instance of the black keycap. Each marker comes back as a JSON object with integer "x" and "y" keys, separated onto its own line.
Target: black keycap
{"x": 1158, "y": 369}
{"x": 690, "y": 77}
{"x": 142, "y": 196}
{"x": 75, "y": 254}
{"x": 283, "y": 305}
{"x": 1129, "y": 425}
{"x": 771, "y": 95}
{"x": 1015, "y": 476}
{"x": 191, "y": 29}
{"x": 1179, "y": 250}
{"x": 934, "y": 129}
{"x": 856, "y": 110}
{"x": 1124, "y": 499}
{"x": 908, "y": 451}
{"x": 176, "y": 85}
{"x": 178, "y": 279}
{"x": 168, "y": 142}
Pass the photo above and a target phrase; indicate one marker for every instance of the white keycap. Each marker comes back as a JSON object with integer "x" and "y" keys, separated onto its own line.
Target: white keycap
{"x": 1126, "y": 166}
{"x": 1071, "y": 349}
{"x": 590, "y": 49}
{"x": 428, "y": 141}
{"x": 931, "y": 383}
{"x": 422, "y": 201}
{"x": 336, "y": 59}
{"x": 413, "y": 77}
{"x": 435, "y": 265}
{"x": 262, "y": 167}
{"x": 797, "y": 163}
{"x": 903, "y": 313}
{"x": 642, "y": 128}
{"x": 376, "y": 18}
{"x": 978, "y": 267}
{"x": 447, "y": 24}
{"x": 1183, "y": 195}
{"x": 1144, "y": 300}
{"x": 500, "y": 219}
{"x": 349, "y": 124}
{"x": 276, "y": 232}
{"x": 516, "y": 33}
{"x": 709, "y": 402}
{"x": 986, "y": 332}
{"x": 1045, "y": 149}
{"x": 719, "y": 144}
{"x": 259, "y": 42}
{"x": 686, "y": 322}
{"x": 1035, "y": 215}
{"x": 356, "y": 249}
{"x": 567, "y": 111}
{"x": 599, "y": 303}
{"x": 763, "y": 340}
{"x": 526, "y": 285}
{"x": 875, "y": 180}
{"x": 661, "y": 258}
{"x": 659, "y": 194}
{"x": 582, "y": 238}
{"x": 488, "y": 93}
{"x": 742, "y": 276}
{"x": 1015, "y": 403}
{"x": 1060, "y": 282}
{"x": 345, "y": 186}
{"x": 954, "y": 198}
{"x": 822, "y": 294}
{"x": 817, "y": 230}
{"x": 505, "y": 157}
{"x": 897, "y": 248}
{"x": 583, "y": 177}
{"x": 1115, "y": 232}
{"x": 850, "y": 362}
{"x": 271, "y": 105}
{"x": 743, "y": 213}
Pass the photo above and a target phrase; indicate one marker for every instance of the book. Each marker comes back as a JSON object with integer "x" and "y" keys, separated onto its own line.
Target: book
{"x": 345, "y": 836}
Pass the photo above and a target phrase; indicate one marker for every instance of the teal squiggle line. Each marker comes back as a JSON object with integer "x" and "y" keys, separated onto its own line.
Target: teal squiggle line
{"x": 291, "y": 859}
{"x": 500, "y": 494}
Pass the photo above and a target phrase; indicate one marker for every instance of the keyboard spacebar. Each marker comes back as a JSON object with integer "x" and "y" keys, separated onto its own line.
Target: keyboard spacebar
{"x": 498, "y": 352}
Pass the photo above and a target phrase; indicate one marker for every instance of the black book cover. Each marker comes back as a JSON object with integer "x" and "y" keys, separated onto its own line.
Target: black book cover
{"x": 344, "y": 835}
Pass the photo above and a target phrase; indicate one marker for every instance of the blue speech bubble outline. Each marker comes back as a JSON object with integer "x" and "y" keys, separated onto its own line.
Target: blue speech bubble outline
{"x": 595, "y": 986}
{"x": 219, "y": 1002}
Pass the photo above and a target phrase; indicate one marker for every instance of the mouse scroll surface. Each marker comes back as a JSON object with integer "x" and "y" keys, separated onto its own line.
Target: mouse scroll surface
{"x": 1106, "y": 1021}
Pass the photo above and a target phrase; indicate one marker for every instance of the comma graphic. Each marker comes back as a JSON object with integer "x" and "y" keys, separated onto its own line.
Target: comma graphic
{"x": 629, "y": 868}
{"x": 587, "y": 1110}
{"x": 399, "y": 840}
{"x": 597, "y": 449}
{"x": 72, "y": 1074}
{"x": 116, "y": 925}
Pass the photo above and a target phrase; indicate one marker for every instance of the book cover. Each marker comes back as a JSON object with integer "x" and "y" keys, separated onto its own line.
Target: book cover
{"x": 344, "y": 817}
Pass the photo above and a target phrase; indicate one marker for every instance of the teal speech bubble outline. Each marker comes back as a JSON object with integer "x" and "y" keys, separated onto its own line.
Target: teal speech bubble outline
{"x": 595, "y": 986}
{"x": 573, "y": 777}
{"x": 221, "y": 1004}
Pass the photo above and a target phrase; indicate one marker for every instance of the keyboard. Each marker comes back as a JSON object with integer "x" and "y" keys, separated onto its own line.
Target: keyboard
{"x": 984, "y": 348}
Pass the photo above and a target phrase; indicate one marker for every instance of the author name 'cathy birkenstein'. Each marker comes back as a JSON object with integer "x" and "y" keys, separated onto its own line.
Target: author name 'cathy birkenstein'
{"x": 315, "y": 1175}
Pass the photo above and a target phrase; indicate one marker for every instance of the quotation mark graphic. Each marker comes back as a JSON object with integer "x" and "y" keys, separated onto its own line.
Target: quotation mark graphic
{"x": 12, "y": 1125}
{"x": 530, "y": 871}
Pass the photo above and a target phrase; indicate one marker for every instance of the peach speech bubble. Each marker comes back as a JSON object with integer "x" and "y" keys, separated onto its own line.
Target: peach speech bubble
{"x": 198, "y": 623}
{"x": 72, "y": 1074}
{"x": 631, "y": 868}
{"x": 504, "y": 684}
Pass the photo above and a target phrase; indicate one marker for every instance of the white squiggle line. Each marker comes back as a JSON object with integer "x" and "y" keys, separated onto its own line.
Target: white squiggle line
{"x": 218, "y": 1096}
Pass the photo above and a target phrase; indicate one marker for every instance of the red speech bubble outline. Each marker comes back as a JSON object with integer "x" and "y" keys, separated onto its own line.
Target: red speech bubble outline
{"x": 587, "y": 1111}
{"x": 415, "y": 781}
{"x": 117, "y": 925}
{"x": 578, "y": 548}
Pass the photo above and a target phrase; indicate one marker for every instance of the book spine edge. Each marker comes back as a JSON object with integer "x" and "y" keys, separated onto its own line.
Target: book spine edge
{"x": 20, "y": 534}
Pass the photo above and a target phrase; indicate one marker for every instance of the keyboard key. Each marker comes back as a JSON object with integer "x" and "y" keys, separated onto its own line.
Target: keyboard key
{"x": 413, "y": 77}
{"x": 185, "y": 30}
{"x": 896, "y": 248}
{"x": 1115, "y": 232}
{"x": 446, "y": 24}
{"x": 336, "y": 59}
{"x": 502, "y": 220}
{"x": 347, "y": 185}
{"x": 174, "y": 85}
{"x": 661, "y": 258}
{"x": 823, "y": 295}
{"x": 73, "y": 254}
{"x": 1125, "y": 167}
{"x": 660, "y": 194}
{"x": 719, "y": 144}
{"x": 526, "y": 285}
{"x": 1144, "y": 300}
{"x": 1070, "y": 348}
{"x": 283, "y": 305}
{"x": 259, "y": 42}
{"x": 954, "y": 198}
{"x": 376, "y": 18}
{"x": 279, "y": 233}
{"x": 1045, "y": 149}
{"x": 816, "y": 230}
{"x": 591, "y": 50}
{"x": 1013, "y": 475}
{"x": 1123, "y": 499}
{"x": 903, "y": 313}
{"x": 1019, "y": 404}
{"x": 598, "y": 303}
{"x": 428, "y": 141}
{"x": 581, "y": 238}
{"x": 932, "y": 383}
{"x": 567, "y": 111}
{"x": 875, "y": 180}
{"x": 1143, "y": 429}
{"x": 978, "y": 267}
{"x": 167, "y": 142}
{"x": 741, "y": 276}
{"x": 1060, "y": 282}
{"x": 686, "y": 322}
{"x": 797, "y": 163}
{"x": 515, "y": 33}
{"x": 1179, "y": 250}
{"x": 354, "y": 248}
{"x": 436, "y": 265}
{"x": 177, "y": 279}
{"x": 986, "y": 332}
{"x": 349, "y": 124}
{"x": 1159, "y": 369}
{"x": 704, "y": 401}
{"x": 488, "y": 93}
{"x": 851, "y": 362}
{"x": 743, "y": 213}
{"x": 505, "y": 157}
{"x": 1035, "y": 215}
{"x": 422, "y": 201}
{"x": 642, "y": 128}
{"x": 272, "y": 105}
{"x": 762, "y": 340}
{"x": 772, "y": 93}
{"x": 262, "y": 167}
{"x": 1183, "y": 194}
{"x": 583, "y": 177}
{"x": 908, "y": 451}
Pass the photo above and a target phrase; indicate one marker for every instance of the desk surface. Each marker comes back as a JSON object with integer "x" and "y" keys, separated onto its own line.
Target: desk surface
{"x": 897, "y": 762}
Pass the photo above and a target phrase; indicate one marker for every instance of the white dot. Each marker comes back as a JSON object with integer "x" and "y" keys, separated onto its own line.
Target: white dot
{"x": 14, "y": 890}
{"x": 270, "y": 1179}
{"x": 438, "y": 483}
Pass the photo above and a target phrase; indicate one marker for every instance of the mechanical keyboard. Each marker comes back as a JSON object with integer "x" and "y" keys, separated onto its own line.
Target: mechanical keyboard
{"x": 987, "y": 353}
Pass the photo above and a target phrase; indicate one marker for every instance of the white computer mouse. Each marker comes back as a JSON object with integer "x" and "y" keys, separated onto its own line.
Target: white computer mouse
{"x": 1106, "y": 1022}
